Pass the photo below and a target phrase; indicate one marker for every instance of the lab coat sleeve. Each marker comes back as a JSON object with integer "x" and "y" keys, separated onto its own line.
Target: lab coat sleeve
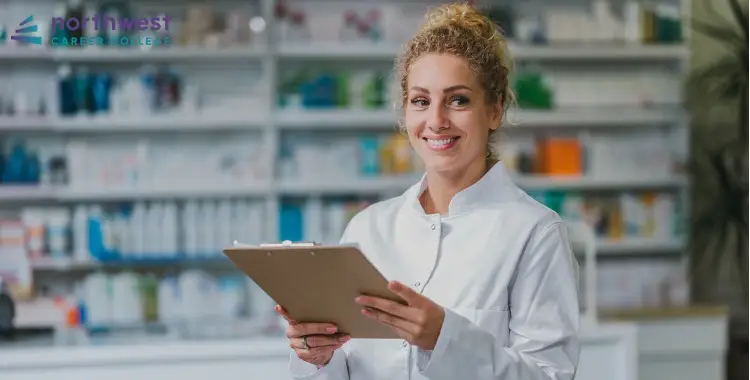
{"x": 543, "y": 328}
{"x": 337, "y": 368}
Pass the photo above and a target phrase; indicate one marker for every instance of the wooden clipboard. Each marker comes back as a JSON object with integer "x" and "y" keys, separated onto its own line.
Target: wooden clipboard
{"x": 317, "y": 283}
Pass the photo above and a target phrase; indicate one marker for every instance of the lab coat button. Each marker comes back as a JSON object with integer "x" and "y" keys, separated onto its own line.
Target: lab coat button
{"x": 417, "y": 283}
{"x": 404, "y": 343}
{"x": 433, "y": 227}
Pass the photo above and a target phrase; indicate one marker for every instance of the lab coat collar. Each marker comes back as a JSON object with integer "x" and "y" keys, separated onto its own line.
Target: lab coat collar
{"x": 494, "y": 187}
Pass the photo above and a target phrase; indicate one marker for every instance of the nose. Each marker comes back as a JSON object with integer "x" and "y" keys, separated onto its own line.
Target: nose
{"x": 437, "y": 119}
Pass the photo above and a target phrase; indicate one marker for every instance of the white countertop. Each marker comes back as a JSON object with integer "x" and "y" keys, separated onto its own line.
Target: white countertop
{"x": 180, "y": 351}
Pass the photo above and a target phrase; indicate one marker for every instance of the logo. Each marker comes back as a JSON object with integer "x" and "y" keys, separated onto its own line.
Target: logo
{"x": 98, "y": 30}
{"x": 25, "y": 34}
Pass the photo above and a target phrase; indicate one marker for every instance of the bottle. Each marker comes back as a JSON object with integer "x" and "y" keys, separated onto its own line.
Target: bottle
{"x": 3, "y": 34}
{"x": 282, "y": 21}
{"x": 32, "y": 169}
{"x": 81, "y": 251}
{"x": 348, "y": 32}
{"x": 15, "y": 166}
{"x": 149, "y": 86}
{"x": 375, "y": 30}
{"x": 66, "y": 91}
{"x": 101, "y": 88}
{"x": 82, "y": 91}
{"x": 138, "y": 229}
{"x": 298, "y": 30}
{"x": 7, "y": 311}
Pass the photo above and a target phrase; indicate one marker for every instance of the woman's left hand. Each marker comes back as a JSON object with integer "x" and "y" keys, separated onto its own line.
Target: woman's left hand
{"x": 419, "y": 322}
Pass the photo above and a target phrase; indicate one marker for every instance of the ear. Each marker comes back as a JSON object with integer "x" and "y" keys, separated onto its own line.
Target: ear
{"x": 497, "y": 114}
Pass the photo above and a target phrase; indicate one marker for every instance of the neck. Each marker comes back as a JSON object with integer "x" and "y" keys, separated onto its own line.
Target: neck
{"x": 442, "y": 187}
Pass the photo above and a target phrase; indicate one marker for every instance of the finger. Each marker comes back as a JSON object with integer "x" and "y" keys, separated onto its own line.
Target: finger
{"x": 314, "y": 341}
{"x": 388, "y": 306}
{"x": 408, "y": 294}
{"x": 315, "y": 353}
{"x": 301, "y": 329}
{"x": 284, "y": 314}
{"x": 402, "y": 326}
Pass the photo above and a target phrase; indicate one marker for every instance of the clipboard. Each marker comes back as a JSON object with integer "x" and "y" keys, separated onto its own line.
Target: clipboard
{"x": 317, "y": 283}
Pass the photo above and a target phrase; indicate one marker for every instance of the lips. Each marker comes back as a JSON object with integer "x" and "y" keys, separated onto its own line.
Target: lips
{"x": 441, "y": 143}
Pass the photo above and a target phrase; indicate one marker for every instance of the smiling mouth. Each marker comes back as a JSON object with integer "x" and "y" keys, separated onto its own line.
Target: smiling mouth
{"x": 441, "y": 144}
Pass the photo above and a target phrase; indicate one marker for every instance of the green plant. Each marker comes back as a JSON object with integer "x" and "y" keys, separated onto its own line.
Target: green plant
{"x": 719, "y": 221}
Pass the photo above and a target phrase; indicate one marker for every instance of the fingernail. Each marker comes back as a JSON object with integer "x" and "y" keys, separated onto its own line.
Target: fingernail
{"x": 331, "y": 330}
{"x": 344, "y": 339}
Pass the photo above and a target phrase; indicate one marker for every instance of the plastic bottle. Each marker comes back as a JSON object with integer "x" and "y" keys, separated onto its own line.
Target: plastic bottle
{"x": 58, "y": 224}
{"x": 66, "y": 91}
{"x": 348, "y": 32}
{"x": 81, "y": 234}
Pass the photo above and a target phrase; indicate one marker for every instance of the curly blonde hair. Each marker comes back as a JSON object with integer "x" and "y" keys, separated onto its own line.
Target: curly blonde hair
{"x": 461, "y": 30}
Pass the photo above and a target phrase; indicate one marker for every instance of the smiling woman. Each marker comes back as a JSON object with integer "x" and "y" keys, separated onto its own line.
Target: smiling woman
{"x": 487, "y": 273}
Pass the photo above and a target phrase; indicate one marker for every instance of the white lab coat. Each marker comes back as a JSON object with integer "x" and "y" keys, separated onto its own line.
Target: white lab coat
{"x": 500, "y": 264}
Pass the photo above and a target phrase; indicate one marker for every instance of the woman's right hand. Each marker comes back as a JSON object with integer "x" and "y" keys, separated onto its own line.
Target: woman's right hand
{"x": 322, "y": 339}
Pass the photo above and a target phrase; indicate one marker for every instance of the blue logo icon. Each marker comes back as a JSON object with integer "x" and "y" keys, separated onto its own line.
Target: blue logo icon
{"x": 24, "y": 34}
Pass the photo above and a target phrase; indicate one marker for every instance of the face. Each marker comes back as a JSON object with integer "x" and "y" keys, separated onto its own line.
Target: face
{"x": 446, "y": 115}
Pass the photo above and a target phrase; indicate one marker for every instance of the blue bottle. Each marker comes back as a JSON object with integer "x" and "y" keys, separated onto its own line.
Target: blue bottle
{"x": 370, "y": 157}
{"x": 149, "y": 76}
{"x": 66, "y": 90}
{"x": 101, "y": 88}
{"x": 82, "y": 88}
{"x": 32, "y": 169}
{"x": 15, "y": 166}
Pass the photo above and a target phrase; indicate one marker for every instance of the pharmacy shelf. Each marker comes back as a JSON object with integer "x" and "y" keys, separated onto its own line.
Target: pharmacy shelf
{"x": 573, "y": 117}
{"x": 339, "y": 51}
{"x": 645, "y": 246}
{"x": 335, "y": 51}
{"x": 600, "y": 52}
{"x": 172, "y": 122}
{"x": 98, "y": 54}
{"x": 589, "y": 183}
{"x": 336, "y": 119}
{"x": 184, "y": 192}
{"x": 160, "y": 54}
{"x": 14, "y": 124}
{"x": 594, "y": 117}
{"x": 185, "y": 121}
{"x": 318, "y": 186}
{"x": 572, "y": 52}
{"x": 10, "y": 52}
{"x": 69, "y": 264}
{"x": 26, "y": 193}
{"x": 627, "y": 246}
{"x": 339, "y": 186}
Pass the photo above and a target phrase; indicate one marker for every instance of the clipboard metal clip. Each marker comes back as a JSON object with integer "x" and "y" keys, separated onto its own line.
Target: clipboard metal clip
{"x": 289, "y": 243}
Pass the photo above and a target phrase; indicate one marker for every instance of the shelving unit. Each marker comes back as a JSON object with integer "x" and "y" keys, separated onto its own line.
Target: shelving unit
{"x": 270, "y": 56}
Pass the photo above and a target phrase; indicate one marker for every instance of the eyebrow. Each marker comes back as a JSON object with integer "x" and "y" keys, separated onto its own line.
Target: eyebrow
{"x": 449, "y": 89}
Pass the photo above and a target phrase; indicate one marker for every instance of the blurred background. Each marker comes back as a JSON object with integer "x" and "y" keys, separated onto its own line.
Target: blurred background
{"x": 126, "y": 166}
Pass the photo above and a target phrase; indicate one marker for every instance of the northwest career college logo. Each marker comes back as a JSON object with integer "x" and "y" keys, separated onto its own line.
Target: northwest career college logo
{"x": 24, "y": 34}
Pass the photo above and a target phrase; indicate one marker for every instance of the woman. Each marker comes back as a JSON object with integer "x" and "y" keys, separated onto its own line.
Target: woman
{"x": 487, "y": 272}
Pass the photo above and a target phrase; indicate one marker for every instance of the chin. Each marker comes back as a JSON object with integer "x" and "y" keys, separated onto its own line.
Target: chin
{"x": 443, "y": 164}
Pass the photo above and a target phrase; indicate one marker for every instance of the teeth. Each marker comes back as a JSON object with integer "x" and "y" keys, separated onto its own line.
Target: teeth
{"x": 441, "y": 142}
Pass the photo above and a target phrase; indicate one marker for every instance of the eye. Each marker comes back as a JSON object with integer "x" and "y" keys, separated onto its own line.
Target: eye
{"x": 459, "y": 101}
{"x": 420, "y": 102}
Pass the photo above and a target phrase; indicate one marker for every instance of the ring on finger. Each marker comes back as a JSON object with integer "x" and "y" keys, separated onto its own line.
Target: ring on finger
{"x": 304, "y": 343}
